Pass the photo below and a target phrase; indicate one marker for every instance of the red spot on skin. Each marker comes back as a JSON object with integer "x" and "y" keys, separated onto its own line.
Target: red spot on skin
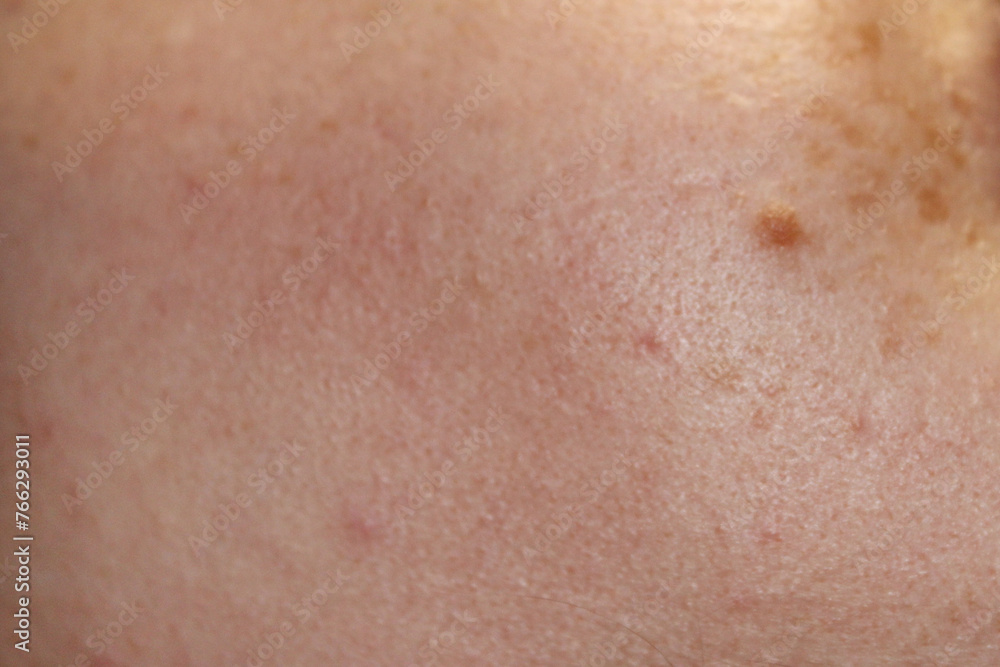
{"x": 648, "y": 342}
{"x": 362, "y": 526}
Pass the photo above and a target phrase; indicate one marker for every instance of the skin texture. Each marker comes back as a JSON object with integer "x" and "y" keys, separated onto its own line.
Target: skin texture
{"x": 714, "y": 415}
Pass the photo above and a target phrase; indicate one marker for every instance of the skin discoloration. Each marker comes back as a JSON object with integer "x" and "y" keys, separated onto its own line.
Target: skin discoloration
{"x": 778, "y": 226}
{"x": 871, "y": 39}
{"x": 932, "y": 205}
{"x": 725, "y": 337}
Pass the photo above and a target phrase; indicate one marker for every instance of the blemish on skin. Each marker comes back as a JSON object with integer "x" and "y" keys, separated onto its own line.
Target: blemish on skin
{"x": 30, "y": 141}
{"x": 648, "y": 342}
{"x": 961, "y": 102}
{"x": 853, "y": 135}
{"x": 778, "y": 226}
{"x": 932, "y": 205}
{"x": 870, "y": 37}
{"x": 361, "y": 526}
{"x": 972, "y": 236}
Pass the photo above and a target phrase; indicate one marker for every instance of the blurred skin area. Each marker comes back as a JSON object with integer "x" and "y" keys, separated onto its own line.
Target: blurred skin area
{"x": 514, "y": 333}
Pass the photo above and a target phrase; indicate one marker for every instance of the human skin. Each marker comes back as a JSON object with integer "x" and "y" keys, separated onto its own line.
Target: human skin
{"x": 707, "y": 426}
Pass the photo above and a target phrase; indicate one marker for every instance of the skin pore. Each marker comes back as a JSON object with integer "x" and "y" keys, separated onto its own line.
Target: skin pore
{"x": 537, "y": 333}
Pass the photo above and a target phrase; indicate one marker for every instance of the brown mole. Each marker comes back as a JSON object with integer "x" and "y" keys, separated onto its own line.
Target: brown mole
{"x": 778, "y": 226}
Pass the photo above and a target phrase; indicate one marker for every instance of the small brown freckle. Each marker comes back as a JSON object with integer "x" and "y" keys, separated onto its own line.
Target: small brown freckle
{"x": 30, "y": 141}
{"x": 853, "y": 135}
{"x": 961, "y": 102}
{"x": 932, "y": 205}
{"x": 778, "y": 225}
{"x": 871, "y": 38}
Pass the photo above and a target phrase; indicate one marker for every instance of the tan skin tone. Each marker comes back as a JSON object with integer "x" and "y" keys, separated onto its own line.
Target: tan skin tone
{"x": 684, "y": 412}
